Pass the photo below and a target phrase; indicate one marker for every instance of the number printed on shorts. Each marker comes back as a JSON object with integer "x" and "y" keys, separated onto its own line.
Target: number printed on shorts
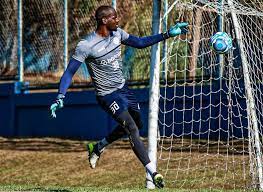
{"x": 114, "y": 107}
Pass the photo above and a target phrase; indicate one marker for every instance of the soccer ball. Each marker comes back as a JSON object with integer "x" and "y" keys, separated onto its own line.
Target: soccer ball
{"x": 221, "y": 42}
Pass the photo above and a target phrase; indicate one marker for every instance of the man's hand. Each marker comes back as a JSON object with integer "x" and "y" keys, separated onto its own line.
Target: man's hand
{"x": 57, "y": 105}
{"x": 178, "y": 29}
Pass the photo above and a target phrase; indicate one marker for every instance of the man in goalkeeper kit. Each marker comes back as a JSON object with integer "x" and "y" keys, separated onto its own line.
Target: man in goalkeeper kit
{"x": 101, "y": 51}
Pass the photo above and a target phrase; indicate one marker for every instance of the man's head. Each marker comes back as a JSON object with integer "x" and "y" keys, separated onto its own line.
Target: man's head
{"x": 107, "y": 16}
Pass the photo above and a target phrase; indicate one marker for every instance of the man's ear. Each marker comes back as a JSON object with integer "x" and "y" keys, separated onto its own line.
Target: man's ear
{"x": 104, "y": 21}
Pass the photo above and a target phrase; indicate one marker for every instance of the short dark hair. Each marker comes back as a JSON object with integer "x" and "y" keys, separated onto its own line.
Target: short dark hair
{"x": 102, "y": 11}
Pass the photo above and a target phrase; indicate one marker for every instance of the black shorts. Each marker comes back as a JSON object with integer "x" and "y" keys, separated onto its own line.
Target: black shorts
{"x": 118, "y": 101}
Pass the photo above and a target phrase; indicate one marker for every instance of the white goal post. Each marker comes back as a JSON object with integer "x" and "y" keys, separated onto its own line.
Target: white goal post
{"x": 205, "y": 114}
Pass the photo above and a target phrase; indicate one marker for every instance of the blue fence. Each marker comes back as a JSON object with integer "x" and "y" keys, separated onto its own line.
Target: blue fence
{"x": 204, "y": 112}
{"x": 27, "y": 115}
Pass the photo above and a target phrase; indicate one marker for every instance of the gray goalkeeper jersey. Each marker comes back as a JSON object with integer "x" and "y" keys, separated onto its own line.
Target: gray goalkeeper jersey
{"x": 102, "y": 56}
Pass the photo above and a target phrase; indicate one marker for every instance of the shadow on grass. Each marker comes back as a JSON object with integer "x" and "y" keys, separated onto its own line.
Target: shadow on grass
{"x": 47, "y": 190}
{"x": 51, "y": 144}
{"x": 42, "y": 144}
{"x": 67, "y": 145}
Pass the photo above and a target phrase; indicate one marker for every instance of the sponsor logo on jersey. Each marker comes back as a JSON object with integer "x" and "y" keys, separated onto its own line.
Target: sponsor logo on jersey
{"x": 112, "y": 60}
{"x": 103, "y": 62}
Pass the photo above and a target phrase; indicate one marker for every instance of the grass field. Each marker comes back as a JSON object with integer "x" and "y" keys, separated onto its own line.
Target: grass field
{"x": 92, "y": 189}
{"x": 61, "y": 165}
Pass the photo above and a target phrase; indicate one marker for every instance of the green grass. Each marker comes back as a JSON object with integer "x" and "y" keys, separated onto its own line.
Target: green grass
{"x": 92, "y": 189}
{"x": 61, "y": 165}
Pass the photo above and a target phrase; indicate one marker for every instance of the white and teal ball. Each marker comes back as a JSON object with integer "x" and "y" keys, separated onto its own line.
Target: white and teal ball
{"x": 221, "y": 42}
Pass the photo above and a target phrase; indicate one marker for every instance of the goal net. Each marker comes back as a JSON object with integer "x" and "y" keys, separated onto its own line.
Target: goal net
{"x": 210, "y": 106}
{"x": 44, "y": 33}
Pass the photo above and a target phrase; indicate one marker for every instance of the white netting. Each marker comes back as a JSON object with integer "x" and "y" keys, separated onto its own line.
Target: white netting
{"x": 207, "y": 138}
{"x": 43, "y": 37}
{"x": 8, "y": 38}
{"x": 42, "y": 40}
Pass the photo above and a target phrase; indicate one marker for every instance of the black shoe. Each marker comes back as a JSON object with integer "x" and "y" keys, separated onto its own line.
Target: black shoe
{"x": 158, "y": 180}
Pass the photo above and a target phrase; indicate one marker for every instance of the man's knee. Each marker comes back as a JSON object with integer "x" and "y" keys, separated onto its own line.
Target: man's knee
{"x": 130, "y": 126}
{"x": 137, "y": 118}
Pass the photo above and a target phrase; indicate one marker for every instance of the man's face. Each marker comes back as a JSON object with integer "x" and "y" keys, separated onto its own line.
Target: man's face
{"x": 112, "y": 21}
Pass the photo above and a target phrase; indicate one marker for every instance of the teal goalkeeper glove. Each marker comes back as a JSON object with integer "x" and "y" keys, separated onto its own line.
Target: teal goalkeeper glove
{"x": 58, "y": 104}
{"x": 178, "y": 29}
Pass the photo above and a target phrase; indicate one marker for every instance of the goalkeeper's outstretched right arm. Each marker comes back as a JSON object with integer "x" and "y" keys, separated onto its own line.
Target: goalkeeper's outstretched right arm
{"x": 63, "y": 85}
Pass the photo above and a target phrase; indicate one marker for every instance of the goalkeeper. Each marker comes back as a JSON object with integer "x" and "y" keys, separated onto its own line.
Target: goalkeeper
{"x": 101, "y": 51}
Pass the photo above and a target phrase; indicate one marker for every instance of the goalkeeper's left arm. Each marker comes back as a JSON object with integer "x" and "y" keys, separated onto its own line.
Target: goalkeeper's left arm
{"x": 142, "y": 42}
{"x": 64, "y": 84}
